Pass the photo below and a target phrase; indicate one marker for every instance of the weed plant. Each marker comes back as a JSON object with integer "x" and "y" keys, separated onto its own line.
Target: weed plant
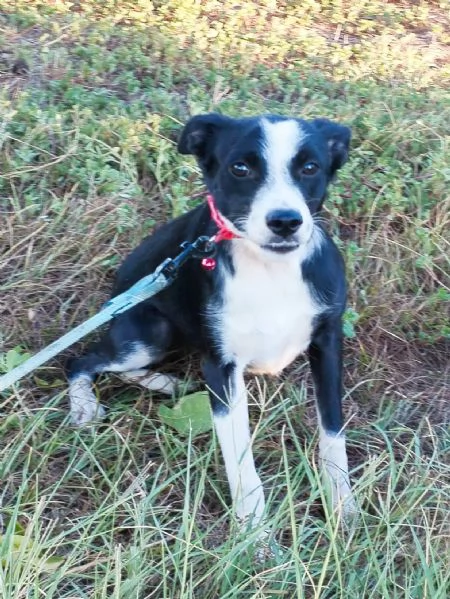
{"x": 92, "y": 98}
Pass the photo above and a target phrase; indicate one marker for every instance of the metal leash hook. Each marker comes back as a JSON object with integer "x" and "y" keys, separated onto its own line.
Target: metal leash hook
{"x": 203, "y": 249}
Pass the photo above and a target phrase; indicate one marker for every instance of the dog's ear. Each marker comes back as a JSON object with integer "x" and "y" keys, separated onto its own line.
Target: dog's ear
{"x": 199, "y": 133}
{"x": 338, "y": 140}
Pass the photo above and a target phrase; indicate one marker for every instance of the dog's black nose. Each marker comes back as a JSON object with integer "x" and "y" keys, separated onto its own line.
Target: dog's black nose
{"x": 284, "y": 222}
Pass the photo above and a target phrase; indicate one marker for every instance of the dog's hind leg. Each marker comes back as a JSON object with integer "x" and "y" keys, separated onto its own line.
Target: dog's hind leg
{"x": 134, "y": 340}
{"x": 154, "y": 381}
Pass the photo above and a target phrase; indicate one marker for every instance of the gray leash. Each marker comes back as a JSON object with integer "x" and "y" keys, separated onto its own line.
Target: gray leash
{"x": 144, "y": 289}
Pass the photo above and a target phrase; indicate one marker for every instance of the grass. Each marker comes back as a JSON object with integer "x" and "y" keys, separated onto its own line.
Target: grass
{"x": 88, "y": 166}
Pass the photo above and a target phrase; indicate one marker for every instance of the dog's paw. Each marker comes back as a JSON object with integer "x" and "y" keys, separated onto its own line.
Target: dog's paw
{"x": 167, "y": 384}
{"x": 84, "y": 406}
{"x": 349, "y": 507}
{"x": 344, "y": 505}
{"x": 185, "y": 386}
{"x": 80, "y": 415}
{"x": 267, "y": 549}
{"x": 344, "y": 502}
{"x": 261, "y": 545}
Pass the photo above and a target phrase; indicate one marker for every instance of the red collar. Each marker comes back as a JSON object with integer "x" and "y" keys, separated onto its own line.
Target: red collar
{"x": 224, "y": 233}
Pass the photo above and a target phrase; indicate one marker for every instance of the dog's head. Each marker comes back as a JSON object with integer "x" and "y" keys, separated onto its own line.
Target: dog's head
{"x": 269, "y": 174}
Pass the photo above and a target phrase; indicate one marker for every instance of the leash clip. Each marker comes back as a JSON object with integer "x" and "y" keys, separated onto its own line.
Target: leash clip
{"x": 203, "y": 248}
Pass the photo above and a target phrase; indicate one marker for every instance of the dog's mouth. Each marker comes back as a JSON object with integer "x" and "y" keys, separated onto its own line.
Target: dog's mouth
{"x": 281, "y": 247}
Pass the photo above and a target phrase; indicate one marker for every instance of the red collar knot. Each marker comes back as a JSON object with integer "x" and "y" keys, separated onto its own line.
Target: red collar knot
{"x": 224, "y": 233}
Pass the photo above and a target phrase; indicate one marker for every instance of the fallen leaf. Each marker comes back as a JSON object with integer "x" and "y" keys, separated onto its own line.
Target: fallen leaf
{"x": 21, "y": 549}
{"x": 190, "y": 415}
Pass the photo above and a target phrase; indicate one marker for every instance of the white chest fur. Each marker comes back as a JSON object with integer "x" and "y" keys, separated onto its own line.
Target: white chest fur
{"x": 268, "y": 311}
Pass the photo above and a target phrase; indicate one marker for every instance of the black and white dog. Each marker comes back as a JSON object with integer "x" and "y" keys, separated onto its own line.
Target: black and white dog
{"x": 278, "y": 290}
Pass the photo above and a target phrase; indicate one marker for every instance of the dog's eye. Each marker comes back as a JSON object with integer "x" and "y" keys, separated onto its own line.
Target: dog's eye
{"x": 239, "y": 169}
{"x": 310, "y": 168}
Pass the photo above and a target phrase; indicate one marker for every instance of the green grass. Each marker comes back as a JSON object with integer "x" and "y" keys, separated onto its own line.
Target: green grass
{"x": 88, "y": 166}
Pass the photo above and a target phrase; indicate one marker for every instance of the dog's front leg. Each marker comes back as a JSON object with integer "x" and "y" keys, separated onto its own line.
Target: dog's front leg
{"x": 229, "y": 405}
{"x": 325, "y": 356}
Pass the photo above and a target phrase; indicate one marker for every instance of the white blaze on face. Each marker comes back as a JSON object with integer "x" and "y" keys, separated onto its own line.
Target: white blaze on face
{"x": 282, "y": 142}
